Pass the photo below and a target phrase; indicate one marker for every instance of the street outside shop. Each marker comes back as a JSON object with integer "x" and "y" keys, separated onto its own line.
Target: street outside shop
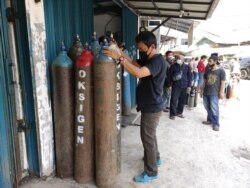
{"x": 193, "y": 154}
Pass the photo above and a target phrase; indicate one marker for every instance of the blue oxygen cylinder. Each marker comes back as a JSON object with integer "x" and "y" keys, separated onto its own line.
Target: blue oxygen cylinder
{"x": 63, "y": 111}
{"x": 105, "y": 112}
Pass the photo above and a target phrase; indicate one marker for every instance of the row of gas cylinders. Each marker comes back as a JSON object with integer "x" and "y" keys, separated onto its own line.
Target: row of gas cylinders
{"x": 87, "y": 114}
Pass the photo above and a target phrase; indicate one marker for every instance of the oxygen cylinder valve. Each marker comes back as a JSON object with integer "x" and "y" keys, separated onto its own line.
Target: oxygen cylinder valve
{"x": 63, "y": 47}
{"x": 106, "y": 44}
{"x": 86, "y": 46}
{"x": 76, "y": 49}
{"x": 95, "y": 47}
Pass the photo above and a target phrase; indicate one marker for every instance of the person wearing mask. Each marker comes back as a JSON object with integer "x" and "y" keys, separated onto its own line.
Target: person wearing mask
{"x": 167, "y": 90}
{"x": 180, "y": 79}
{"x": 151, "y": 71}
{"x": 212, "y": 91}
{"x": 201, "y": 70}
{"x": 194, "y": 70}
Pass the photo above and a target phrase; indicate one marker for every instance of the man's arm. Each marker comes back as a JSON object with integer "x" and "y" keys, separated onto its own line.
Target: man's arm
{"x": 189, "y": 76}
{"x": 222, "y": 83}
{"x": 202, "y": 88}
{"x": 131, "y": 66}
{"x": 129, "y": 59}
{"x": 138, "y": 72}
{"x": 222, "y": 89}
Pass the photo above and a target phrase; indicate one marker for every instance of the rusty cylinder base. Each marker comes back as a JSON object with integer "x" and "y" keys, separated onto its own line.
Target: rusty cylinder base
{"x": 63, "y": 100}
{"x": 105, "y": 123}
{"x": 84, "y": 140}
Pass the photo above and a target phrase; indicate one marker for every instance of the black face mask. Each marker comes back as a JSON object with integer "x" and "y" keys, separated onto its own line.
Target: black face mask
{"x": 211, "y": 66}
{"x": 143, "y": 56}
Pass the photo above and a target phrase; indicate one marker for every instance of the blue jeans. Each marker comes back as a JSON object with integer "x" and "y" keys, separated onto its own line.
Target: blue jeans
{"x": 166, "y": 97}
{"x": 211, "y": 104}
{"x": 200, "y": 81}
{"x": 195, "y": 79}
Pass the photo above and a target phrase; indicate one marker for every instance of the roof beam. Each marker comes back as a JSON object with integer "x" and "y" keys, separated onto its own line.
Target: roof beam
{"x": 174, "y": 2}
{"x": 179, "y": 28}
{"x": 156, "y": 8}
{"x": 172, "y": 25}
{"x": 161, "y": 24}
{"x": 132, "y": 6}
{"x": 181, "y": 4}
{"x": 212, "y": 8}
{"x": 171, "y": 10}
{"x": 184, "y": 17}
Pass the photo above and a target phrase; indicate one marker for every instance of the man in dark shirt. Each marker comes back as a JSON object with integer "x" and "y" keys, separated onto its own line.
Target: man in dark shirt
{"x": 180, "y": 86}
{"x": 167, "y": 90}
{"x": 213, "y": 90}
{"x": 151, "y": 71}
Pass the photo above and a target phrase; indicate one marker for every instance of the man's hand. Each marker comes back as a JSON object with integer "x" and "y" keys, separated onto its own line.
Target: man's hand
{"x": 168, "y": 89}
{"x": 111, "y": 53}
{"x": 188, "y": 89}
{"x": 221, "y": 95}
{"x": 201, "y": 93}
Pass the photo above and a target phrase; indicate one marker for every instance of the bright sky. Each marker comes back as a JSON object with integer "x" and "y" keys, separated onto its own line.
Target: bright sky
{"x": 231, "y": 18}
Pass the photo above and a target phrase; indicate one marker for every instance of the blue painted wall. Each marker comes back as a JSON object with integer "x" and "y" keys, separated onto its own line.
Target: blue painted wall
{"x": 130, "y": 30}
{"x": 5, "y": 160}
{"x": 6, "y": 179}
{"x": 64, "y": 19}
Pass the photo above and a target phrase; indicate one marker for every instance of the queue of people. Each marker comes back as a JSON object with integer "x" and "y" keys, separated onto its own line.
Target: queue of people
{"x": 208, "y": 78}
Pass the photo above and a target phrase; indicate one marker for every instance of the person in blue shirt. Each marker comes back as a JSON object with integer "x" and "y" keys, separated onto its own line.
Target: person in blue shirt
{"x": 180, "y": 80}
{"x": 150, "y": 68}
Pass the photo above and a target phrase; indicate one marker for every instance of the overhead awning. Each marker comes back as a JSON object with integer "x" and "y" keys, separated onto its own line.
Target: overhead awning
{"x": 178, "y": 24}
{"x": 188, "y": 9}
{"x": 179, "y": 14}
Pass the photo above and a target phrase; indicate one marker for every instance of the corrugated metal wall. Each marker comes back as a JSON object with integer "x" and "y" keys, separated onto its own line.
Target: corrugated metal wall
{"x": 6, "y": 161}
{"x": 5, "y": 179}
{"x": 64, "y": 19}
{"x": 130, "y": 30}
{"x": 27, "y": 86}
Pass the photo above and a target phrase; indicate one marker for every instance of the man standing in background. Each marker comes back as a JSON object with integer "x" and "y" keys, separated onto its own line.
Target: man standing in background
{"x": 201, "y": 69}
{"x": 213, "y": 90}
{"x": 167, "y": 90}
{"x": 180, "y": 79}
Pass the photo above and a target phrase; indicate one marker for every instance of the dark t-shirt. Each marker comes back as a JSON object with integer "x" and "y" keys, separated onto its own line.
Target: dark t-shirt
{"x": 150, "y": 89}
{"x": 213, "y": 81}
{"x": 186, "y": 78}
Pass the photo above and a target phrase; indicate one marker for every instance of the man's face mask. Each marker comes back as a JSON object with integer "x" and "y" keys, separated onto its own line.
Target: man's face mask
{"x": 143, "y": 55}
{"x": 211, "y": 63}
{"x": 170, "y": 58}
{"x": 178, "y": 61}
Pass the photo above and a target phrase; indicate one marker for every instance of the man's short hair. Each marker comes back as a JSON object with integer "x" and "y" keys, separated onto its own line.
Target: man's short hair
{"x": 168, "y": 52}
{"x": 204, "y": 57}
{"x": 147, "y": 37}
{"x": 214, "y": 56}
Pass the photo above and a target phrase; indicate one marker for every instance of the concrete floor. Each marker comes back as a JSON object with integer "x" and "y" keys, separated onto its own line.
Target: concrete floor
{"x": 193, "y": 155}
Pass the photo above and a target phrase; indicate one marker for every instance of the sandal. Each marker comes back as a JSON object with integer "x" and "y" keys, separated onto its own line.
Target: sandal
{"x": 206, "y": 123}
{"x": 180, "y": 115}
